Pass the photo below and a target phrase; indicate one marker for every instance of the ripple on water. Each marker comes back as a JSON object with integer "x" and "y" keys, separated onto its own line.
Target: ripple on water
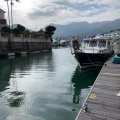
{"x": 43, "y": 86}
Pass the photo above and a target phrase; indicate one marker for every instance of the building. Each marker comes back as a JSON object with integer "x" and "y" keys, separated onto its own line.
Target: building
{"x": 115, "y": 39}
{"x": 42, "y": 34}
{"x": 2, "y": 18}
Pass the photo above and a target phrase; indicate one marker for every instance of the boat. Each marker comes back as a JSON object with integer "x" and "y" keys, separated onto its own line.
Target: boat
{"x": 55, "y": 43}
{"x": 92, "y": 52}
{"x": 63, "y": 42}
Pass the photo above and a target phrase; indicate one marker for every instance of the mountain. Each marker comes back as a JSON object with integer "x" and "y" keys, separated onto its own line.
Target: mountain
{"x": 85, "y": 28}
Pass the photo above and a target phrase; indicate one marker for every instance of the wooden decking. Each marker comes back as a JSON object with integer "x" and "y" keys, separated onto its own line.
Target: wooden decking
{"x": 103, "y": 102}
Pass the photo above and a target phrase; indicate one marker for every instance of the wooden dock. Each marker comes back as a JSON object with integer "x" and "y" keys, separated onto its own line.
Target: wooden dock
{"x": 103, "y": 101}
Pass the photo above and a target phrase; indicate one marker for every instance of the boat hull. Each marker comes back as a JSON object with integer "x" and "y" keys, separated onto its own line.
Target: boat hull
{"x": 92, "y": 59}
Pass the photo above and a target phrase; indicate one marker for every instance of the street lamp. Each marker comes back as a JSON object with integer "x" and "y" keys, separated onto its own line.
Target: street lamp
{"x": 10, "y": 37}
{"x": 8, "y": 13}
{"x": 10, "y": 17}
{"x": 11, "y": 3}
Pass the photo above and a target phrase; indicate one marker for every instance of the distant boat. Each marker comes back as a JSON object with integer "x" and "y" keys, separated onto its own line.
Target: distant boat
{"x": 63, "y": 43}
{"x": 92, "y": 52}
{"x": 55, "y": 43}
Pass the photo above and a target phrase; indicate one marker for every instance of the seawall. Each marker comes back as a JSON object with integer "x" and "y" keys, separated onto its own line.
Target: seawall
{"x": 19, "y": 44}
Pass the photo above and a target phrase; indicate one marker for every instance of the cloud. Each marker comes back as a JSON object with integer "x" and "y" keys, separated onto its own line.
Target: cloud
{"x": 44, "y": 11}
{"x": 33, "y": 13}
{"x": 65, "y": 11}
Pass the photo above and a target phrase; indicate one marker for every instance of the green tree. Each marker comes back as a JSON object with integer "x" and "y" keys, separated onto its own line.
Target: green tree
{"x": 5, "y": 31}
{"x": 15, "y": 32}
{"x": 50, "y": 31}
{"x": 34, "y": 35}
{"x": 27, "y": 33}
{"x": 19, "y": 30}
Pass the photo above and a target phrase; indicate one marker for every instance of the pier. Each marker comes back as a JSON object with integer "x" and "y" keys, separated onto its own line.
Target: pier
{"x": 103, "y": 101}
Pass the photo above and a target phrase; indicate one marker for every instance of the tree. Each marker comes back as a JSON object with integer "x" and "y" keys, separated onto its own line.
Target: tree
{"x": 34, "y": 34}
{"x": 5, "y": 31}
{"x": 15, "y": 32}
{"x": 19, "y": 30}
{"x": 50, "y": 31}
{"x": 26, "y": 33}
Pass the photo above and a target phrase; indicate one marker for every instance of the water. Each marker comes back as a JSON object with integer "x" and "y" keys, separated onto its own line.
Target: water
{"x": 43, "y": 86}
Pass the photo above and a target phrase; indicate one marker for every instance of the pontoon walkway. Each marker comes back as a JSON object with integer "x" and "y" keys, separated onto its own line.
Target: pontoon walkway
{"x": 103, "y": 102}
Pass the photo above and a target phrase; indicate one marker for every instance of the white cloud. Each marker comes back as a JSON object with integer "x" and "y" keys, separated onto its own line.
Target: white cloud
{"x": 106, "y": 16}
{"x": 38, "y": 13}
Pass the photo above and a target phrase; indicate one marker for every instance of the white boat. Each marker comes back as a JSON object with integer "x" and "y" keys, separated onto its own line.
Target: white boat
{"x": 92, "y": 52}
{"x": 55, "y": 43}
{"x": 63, "y": 42}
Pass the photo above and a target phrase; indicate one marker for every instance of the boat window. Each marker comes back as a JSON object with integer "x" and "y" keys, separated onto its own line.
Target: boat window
{"x": 109, "y": 43}
{"x": 102, "y": 44}
{"x": 86, "y": 43}
{"x": 93, "y": 43}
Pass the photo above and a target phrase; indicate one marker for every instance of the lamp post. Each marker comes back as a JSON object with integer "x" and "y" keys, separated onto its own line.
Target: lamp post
{"x": 8, "y": 13}
{"x": 11, "y": 3}
{"x": 10, "y": 20}
{"x": 9, "y": 45}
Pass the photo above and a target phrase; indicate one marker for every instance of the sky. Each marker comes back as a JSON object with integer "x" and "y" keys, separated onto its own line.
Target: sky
{"x": 35, "y": 14}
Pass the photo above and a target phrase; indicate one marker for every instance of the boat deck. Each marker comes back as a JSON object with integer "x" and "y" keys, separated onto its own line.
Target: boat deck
{"x": 103, "y": 102}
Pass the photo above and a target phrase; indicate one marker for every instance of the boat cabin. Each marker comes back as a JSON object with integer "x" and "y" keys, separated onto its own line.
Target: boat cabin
{"x": 96, "y": 45}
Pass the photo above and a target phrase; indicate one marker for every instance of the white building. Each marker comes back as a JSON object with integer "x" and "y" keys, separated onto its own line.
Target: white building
{"x": 2, "y": 18}
{"x": 2, "y": 15}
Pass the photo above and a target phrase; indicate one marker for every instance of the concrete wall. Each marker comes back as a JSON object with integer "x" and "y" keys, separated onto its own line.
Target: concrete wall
{"x": 24, "y": 44}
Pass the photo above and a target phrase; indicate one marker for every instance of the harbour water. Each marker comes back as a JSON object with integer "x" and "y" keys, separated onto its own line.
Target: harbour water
{"x": 43, "y": 86}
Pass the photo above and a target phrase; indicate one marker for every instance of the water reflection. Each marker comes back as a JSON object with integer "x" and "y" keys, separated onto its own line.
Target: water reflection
{"x": 8, "y": 68}
{"x": 16, "y": 99}
{"x": 41, "y": 86}
{"x": 13, "y": 69}
{"x": 83, "y": 79}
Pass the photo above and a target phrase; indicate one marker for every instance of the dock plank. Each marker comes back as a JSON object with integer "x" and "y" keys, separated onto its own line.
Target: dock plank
{"x": 103, "y": 103}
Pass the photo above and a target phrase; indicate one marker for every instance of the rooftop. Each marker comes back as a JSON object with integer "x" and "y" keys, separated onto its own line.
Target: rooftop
{"x": 1, "y": 10}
